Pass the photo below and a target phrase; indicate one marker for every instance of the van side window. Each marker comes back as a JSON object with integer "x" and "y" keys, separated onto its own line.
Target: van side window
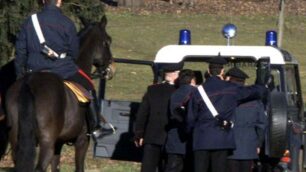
{"x": 276, "y": 80}
{"x": 291, "y": 85}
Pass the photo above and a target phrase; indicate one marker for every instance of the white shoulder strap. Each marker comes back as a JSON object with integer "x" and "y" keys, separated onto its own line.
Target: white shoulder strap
{"x": 207, "y": 101}
{"x": 38, "y": 29}
{"x": 42, "y": 38}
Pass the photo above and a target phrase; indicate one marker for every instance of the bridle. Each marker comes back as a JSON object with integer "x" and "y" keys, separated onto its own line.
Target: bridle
{"x": 100, "y": 73}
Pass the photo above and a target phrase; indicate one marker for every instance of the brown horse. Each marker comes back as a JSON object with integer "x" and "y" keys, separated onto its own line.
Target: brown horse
{"x": 42, "y": 111}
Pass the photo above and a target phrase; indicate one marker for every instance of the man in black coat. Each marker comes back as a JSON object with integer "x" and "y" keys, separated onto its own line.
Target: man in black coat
{"x": 211, "y": 129}
{"x": 152, "y": 118}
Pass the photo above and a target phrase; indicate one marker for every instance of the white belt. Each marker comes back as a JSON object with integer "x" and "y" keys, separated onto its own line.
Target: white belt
{"x": 42, "y": 38}
{"x": 207, "y": 101}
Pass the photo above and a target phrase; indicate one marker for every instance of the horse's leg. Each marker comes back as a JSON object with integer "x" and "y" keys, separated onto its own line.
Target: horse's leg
{"x": 46, "y": 152}
{"x": 12, "y": 119}
{"x": 55, "y": 164}
{"x": 13, "y": 142}
{"x": 81, "y": 146}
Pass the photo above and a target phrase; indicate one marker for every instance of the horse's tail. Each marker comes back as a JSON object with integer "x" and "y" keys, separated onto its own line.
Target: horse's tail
{"x": 26, "y": 142}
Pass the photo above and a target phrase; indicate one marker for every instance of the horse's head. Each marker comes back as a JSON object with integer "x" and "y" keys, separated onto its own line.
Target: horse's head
{"x": 95, "y": 48}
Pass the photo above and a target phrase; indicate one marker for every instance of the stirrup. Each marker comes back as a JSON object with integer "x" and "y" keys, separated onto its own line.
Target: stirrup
{"x": 102, "y": 132}
{"x": 112, "y": 127}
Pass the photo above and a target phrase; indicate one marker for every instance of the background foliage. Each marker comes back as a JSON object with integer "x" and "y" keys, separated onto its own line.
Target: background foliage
{"x": 13, "y": 12}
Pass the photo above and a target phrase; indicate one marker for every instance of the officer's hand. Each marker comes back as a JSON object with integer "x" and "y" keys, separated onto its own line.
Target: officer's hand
{"x": 138, "y": 142}
{"x": 227, "y": 125}
{"x": 258, "y": 150}
{"x": 224, "y": 124}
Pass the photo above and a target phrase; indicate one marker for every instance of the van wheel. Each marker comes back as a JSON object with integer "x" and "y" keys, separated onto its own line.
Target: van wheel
{"x": 278, "y": 117}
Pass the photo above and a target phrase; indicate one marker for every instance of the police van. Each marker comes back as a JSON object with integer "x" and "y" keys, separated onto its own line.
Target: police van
{"x": 284, "y": 104}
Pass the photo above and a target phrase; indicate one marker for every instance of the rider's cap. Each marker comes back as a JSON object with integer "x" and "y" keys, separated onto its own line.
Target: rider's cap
{"x": 237, "y": 73}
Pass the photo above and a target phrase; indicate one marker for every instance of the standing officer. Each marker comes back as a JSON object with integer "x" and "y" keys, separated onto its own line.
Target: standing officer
{"x": 249, "y": 130}
{"x": 209, "y": 119}
{"x": 177, "y": 137}
{"x": 52, "y": 47}
{"x": 152, "y": 118}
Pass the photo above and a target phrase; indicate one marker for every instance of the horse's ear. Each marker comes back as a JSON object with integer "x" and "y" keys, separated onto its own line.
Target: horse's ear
{"x": 103, "y": 22}
{"x": 84, "y": 21}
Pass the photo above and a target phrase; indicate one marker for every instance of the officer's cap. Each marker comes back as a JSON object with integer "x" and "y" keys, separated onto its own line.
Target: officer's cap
{"x": 170, "y": 67}
{"x": 237, "y": 73}
{"x": 217, "y": 61}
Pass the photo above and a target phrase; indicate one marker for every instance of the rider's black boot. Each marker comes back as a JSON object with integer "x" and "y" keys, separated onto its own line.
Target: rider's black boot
{"x": 98, "y": 127}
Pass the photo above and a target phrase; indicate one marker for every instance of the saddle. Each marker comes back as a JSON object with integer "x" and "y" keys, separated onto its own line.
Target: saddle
{"x": 79, "y": 91}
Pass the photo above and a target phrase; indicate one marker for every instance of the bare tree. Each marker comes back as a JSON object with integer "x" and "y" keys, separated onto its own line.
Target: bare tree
{"x": 281, "y": 22}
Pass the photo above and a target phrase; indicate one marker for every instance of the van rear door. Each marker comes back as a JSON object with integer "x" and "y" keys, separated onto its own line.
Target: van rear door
{"x": 119, "y": 100}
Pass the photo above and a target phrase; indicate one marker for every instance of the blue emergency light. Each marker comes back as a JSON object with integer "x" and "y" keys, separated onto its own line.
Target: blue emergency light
{"x": 185, "y": 37}
{"x": 271, "y": 38}
{"x": 229, "y": 31}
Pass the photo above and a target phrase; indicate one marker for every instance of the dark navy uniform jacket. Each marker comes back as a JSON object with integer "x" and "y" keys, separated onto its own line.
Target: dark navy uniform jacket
{"x": 249, "y": 130}
{"x": 176, "y": 139}
{"x": 152, "y": 115}
{"x": 225, "y": 96}
{"x": 60, "y": 35}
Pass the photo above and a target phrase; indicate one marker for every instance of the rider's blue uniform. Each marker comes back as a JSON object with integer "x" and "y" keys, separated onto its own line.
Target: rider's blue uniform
{"x": 60, "y": 35}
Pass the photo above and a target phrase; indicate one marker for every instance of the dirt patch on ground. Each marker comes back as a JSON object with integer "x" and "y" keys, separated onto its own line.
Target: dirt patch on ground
{"x": 216, "y": 7}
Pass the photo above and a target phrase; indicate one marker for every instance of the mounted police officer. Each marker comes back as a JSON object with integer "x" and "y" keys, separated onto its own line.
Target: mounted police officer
{"x": 48, "y": 42}
{"x": 152, "y": 118}
{"x": 210, "y": 112}
{"x": 250, "y": 122}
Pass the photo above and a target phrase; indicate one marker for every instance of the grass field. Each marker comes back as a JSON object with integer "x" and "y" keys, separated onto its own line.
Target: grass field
{"x": 141, "y": 36}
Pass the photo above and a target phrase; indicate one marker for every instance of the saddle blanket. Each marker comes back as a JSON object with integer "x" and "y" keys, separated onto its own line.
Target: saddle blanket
{"x": 80, "y": 92}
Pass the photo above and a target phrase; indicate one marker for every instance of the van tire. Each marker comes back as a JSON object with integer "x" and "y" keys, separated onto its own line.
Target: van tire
{"x": 277, "y": 131}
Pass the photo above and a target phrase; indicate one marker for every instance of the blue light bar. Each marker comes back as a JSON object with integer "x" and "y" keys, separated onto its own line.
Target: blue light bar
{"x": 271, "y": 38}
{"x": 185, "y": 37}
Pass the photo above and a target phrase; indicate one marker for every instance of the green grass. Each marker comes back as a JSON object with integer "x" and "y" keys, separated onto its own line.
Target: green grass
{"x": 141, "y": 36}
